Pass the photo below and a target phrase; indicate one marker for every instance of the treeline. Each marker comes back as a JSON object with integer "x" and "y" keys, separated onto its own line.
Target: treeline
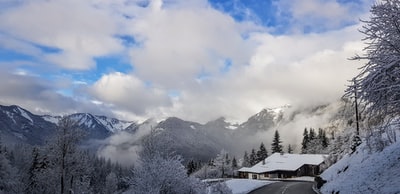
{"x": 59, "y": 166}
{"x": 315, "y": 143}
{"x": 257, "y": 156}
{"x": 62, "y": 166}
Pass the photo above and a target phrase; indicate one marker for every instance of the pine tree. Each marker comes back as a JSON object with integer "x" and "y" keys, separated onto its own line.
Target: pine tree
{"x": 253, "y": 157}
{"x": 111, "y": 183}
{"x": 305, "y": 142}
{"x": 222, "y": 163}
{"x": 311, "y": 135}
{"x": 190, "y": 167}
{"x": 276, "y": 143}
{"x": 8, "y": 174}
{"x": 323, "y": 139}
{"x": 234, "y": 166}
{"x": 234, "y": 163}
{"x": 246, "y": 160}
{"x": 36, "y": 179}
{"x": 227, "y": 159}
{"x": 262, "y": 153}
{"x": 289, "y": 149}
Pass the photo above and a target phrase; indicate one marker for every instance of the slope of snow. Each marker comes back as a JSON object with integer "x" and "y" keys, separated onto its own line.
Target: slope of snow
{"x": 365, "y": 172}
{"x": 243, "y": 186}
{"x": 232, "y": 127}
{"x": 10, "y": 115}
{"x": 113, "y": 125}
{"x": 51, "y": 119}
{"x": 24, "y": 114}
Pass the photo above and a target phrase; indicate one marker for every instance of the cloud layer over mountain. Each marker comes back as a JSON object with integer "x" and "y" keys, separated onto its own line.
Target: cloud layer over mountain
{"x": 197, "y": 60}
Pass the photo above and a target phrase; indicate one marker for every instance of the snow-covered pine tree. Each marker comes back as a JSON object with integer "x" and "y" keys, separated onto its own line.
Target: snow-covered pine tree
{"x": 262, "y": 153}
{"x": 111, "y": 183}
{"x": 36, "y": 181}
{"x": 191, "y": 167}
{"x": 276, "y": 146}
{"x": 322, "y": 138}
{"x": 253, "y": 157}
{"x": 9, "y": 180}
{"x": 305, "y": 142}
{"x": 223, "y": 163}
{"x": 289, "y": 149}
{"x": 246, "y": 160}
{"x": 311, "y": 134}
{"x": 234, "y": 164}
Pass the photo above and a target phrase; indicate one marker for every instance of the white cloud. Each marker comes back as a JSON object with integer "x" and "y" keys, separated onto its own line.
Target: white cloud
{"x": 127, "y": 92}
{"x": 77, "y": 28}
{"x": 300, "y": 70}
{"x": 321, "y": 15}
{"x": 179, "y": 44}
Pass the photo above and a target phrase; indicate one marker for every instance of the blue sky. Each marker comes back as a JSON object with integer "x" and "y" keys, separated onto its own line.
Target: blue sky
{"x": 195, "y": 59}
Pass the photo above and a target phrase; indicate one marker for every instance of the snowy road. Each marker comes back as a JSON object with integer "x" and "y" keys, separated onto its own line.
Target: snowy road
{"x": 286, "y": 188}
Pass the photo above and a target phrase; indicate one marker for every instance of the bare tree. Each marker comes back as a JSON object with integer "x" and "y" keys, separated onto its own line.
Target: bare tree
{"x": 68, "y": 165}
{"x": 378, "y": 83}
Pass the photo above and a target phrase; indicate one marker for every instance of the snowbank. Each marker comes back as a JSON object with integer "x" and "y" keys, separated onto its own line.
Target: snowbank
{"x": 243, "y": 186}
{"x": 365, "y": 172}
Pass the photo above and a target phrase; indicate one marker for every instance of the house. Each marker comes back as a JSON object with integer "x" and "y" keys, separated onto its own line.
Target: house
{"x": 280, "y": 165}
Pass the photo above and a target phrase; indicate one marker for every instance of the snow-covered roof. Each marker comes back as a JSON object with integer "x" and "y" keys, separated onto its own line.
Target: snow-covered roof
{"x": 285, "y": 162}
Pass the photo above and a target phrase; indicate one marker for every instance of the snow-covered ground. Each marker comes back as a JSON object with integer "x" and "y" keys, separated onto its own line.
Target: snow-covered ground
{"x": 365, "y": 172}
{"x": 302, "y": 178}
{"x": 243, "y": 186}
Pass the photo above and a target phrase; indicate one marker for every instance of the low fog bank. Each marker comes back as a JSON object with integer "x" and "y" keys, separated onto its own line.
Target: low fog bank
{"x": 123, "y": 147}
{"x": 291, "y": 127}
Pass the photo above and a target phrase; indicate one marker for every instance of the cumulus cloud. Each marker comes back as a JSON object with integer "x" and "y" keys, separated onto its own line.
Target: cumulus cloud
{"x": 78, "y": 29}
{"x": 128, "y": 92}
{"x": 177, "y": 45}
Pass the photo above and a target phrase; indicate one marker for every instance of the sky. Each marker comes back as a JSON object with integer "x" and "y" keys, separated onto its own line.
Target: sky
{"x": 194, "y": 59}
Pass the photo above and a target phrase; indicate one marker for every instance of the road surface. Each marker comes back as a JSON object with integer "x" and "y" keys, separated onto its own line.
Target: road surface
{"x": 286, "y": 188}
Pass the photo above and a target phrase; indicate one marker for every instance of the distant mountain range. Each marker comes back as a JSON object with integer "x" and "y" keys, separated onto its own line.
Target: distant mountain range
{"x": 190, "y": 139}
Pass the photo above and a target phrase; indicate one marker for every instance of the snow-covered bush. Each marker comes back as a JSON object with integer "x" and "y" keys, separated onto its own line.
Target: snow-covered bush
{"x": 219, "y": 188}
{"x": 207, "y": 172}
{"x": 161, "y": 172}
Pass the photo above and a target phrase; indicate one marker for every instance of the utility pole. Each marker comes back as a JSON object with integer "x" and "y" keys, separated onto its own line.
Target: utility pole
{"x": 355, "y": 99}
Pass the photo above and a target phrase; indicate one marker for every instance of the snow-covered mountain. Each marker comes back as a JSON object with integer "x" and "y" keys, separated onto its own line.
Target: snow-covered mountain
{"x": 20, "y": 125}
{"x": 90, "y": 121}
{"x": 189, "y": 138}
{"x": 266, "y": 119}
